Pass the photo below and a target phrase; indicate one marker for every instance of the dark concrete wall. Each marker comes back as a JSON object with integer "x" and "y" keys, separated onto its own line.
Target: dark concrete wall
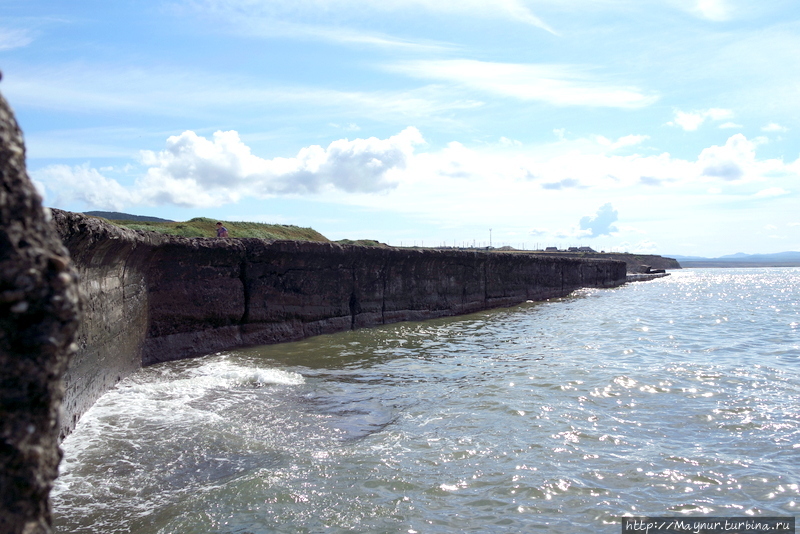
{"x": 150, "y": 298}
{"x": 111, "y": 265}
{"x": 38, "y": 316}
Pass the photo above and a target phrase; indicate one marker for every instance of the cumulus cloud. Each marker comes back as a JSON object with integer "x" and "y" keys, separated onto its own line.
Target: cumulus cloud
{"x": 194, "y": 171}
{"x": 730, "y": 161}
{"x": 63, "y": 185}
{"x": 602, "y": 223}
{"x": 226, "y": 165}
{"x": 692, "y": 120}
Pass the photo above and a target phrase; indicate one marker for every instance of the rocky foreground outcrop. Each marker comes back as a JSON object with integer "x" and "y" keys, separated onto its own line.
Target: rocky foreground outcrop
{"x": 38, "y": 317}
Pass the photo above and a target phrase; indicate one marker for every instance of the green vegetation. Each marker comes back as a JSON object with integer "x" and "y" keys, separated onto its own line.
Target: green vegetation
{"x": 205, "y": 227}
{"x": 362, "y": 243}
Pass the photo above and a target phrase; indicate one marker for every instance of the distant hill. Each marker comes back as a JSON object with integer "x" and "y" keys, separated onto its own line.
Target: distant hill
{"x": 117, "y": 216}
{"x": 741, "y": 259}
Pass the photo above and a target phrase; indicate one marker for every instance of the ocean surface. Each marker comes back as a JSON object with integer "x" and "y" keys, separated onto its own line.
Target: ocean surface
{"x": 679, "y": 396}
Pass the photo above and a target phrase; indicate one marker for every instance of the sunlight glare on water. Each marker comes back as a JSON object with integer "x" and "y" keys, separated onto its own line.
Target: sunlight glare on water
{"x": 673, "y": 396}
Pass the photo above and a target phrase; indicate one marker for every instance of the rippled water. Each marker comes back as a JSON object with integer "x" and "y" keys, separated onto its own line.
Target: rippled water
{"x": 679, "y": 395}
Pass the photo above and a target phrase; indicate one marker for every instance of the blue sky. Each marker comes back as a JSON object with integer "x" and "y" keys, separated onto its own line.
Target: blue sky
{"x": 665, "y": 127}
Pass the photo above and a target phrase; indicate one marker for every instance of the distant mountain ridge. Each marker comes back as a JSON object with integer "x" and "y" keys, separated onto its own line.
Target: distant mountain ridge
{"x": 117, "y": 216}
{"x": 741, "y": 257}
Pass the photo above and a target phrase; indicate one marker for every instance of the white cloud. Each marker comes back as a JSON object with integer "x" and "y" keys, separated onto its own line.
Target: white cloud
{"x": 197, "y": 172}
{"x": 688, "y": 121}
{"x": 562, "y": 85}
{"x": 774, "y": 127}
{"x": 692, "y": 120}
{"x": 736, "y": 160}
{"x": 40, "y": 188}
{"x": 11, "y": 38}
{"x": 64, "y": 185}
{"x": 730, "y": 161}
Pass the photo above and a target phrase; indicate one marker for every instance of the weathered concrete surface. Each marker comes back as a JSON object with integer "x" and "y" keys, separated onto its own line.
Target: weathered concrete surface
{"x": 38, "y": 317}
{"x": 110, "y": 263}
{"x": 151, "y": 298}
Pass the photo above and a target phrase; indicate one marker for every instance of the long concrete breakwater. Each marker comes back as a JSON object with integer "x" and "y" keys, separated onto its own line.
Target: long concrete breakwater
{"x": 150, "y": 298}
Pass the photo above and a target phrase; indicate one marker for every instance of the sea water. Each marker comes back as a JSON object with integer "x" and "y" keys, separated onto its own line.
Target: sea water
{"x": 679, "y": 396}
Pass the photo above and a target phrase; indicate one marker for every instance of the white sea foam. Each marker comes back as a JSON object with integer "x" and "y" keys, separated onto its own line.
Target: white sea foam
{"x": 237, "y": 375}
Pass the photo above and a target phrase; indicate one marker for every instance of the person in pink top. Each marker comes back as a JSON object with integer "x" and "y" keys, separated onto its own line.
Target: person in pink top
{"x": 221, "y": 230}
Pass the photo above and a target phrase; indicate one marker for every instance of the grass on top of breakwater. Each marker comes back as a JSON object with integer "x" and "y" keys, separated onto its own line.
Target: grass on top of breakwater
{"x": 205, "y": 227}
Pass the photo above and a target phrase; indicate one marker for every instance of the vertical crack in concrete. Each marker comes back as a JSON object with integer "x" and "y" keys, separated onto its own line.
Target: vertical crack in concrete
{"x": 245, "y": 289}
{"x": 384, "y": 279}
{"x": 486, "y": 279}
{"x": 353, "y": 301}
